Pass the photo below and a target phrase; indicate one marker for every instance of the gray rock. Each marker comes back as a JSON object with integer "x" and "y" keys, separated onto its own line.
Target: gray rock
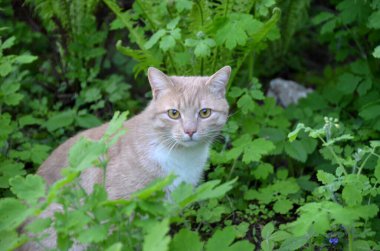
{"x": 287, "y": 92}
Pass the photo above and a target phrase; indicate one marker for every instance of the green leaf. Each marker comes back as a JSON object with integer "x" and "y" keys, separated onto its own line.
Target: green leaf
{"x": 115, "y": 247}
{"x": 12, "y": 213}
{"x": 262, "y": 171}
{"x": 296, "y": 150}
{"x": 60, "y": 120}
{"x": 352, "y": 195}
{"x": 25, "y": 59}
{"x": 282, "y": 206}
{"x": 374, "y": 20}
{"x": 167, "y": 42}
{"x": 325, "y": 178}
{"x": 9, "y": 169}
{"x": 255, "y": 150}
{"x": 84, "y": 153}
{"x": 186, "y": 240}
{"x": 294, "y": 243}
{"x": 93, "y": 234}
{"x": 88, "y": 121}
{"x": 29, "y": 188}
{"x": 377, "y": 170}
{"x": 182, "y": 5}
{"x": 8, "y": 43}
{"x": 293, "y": 135}
{"x": 222, "y": 240}
{"x": 348, "y": 82}
{"x": 156, "y": 238}
{"x": 236, "y": 30}
{"x": 39, "y": 225}
{"x": 9, "y": 240}
{"x": 154, "y": 39}
{"x": 267, "y": 230}
{"x": 29, "y": 120}
{"x": 246, "y": 103}
{"x": 370, "y": 112}
{"x": 376, "y": 52}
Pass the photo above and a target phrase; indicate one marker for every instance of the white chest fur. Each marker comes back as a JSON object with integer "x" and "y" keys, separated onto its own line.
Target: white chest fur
{"x": 186, "y": 163}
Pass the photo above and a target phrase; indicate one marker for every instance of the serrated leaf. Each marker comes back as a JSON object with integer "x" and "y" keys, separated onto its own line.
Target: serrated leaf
{"x": 325, "y": 178}
{"x": 351, "y": 195}
{"x": 255, "y": 150}
{"x": 12, "y": 213}
{"x": 186, "y": 240}
{"x": 156, "y": 238}
{"x": 282, "y": 206}
{"x": 84, "y": 152}
{"x": 29, "y": 188}
{"x": 182, "y": 5}
{"x": 222, "y": 239}
{"x": 9, "y": 169}
{"x": 167, "y": 42}
{"x": 262, "y": 171}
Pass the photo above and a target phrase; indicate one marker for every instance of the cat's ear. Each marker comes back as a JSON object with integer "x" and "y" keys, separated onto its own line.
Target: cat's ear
{"x": 217, "y": 82}
{"x": 158, "y": 81}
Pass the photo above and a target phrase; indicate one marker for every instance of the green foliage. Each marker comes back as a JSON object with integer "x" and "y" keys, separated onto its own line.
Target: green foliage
{"x": 68, "y": 65}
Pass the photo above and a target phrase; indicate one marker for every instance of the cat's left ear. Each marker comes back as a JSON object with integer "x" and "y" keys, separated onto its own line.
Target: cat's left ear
{"x": 158, "y": 81}
{"x": 217, "y": 82}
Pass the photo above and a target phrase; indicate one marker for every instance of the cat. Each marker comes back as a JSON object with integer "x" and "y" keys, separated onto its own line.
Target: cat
{"x": 172, "y": 135}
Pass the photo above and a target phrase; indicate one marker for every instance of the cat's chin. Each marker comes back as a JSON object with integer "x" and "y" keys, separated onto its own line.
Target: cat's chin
{"x": 189, "y": 143}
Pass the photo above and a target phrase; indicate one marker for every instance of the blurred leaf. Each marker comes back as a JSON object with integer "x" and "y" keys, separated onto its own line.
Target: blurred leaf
{"x": 186, "y": 240}
{"x": 60, "y": 120}
{"x": 156, "y": 238}
{"x": 29, "y": 188}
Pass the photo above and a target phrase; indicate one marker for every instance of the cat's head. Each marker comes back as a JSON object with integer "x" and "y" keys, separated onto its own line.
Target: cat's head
{"x": 188, "y": 111}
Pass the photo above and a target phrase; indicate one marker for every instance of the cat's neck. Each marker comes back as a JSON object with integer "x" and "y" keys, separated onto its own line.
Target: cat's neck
{"x": 187, "y": 163}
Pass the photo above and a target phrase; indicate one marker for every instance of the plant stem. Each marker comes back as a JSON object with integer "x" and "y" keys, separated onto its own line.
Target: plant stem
{"x": 350, "y": 240}
{"x": 172, "y": 63}
{"x": 364, "y": 162}
{"x": 334, "y": 155}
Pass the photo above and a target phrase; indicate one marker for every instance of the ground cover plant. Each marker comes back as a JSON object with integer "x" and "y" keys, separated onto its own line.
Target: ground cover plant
{"x": 302, "y": 177}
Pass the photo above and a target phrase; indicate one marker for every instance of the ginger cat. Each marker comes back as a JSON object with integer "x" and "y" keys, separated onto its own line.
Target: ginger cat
{"x": 172, "y": 135}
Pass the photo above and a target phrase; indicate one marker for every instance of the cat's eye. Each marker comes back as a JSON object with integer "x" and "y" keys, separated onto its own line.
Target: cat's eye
{"x": 205, "y": 113}
{"x": 173, "y": 114}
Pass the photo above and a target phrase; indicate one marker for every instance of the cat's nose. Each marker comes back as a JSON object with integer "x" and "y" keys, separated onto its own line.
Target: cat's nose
{"x": 190, "y": 132}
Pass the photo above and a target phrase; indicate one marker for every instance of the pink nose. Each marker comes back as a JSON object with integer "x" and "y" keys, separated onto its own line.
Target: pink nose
{"x": 190, "y": 132}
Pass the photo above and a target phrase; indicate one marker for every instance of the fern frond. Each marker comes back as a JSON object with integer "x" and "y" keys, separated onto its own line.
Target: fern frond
{"x": 200, "y": 16}
{"x": 296, "y": 11}
{"x": 144, "y": 58}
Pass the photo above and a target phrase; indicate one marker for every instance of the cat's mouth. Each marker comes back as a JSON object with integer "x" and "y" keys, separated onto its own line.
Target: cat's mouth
{"x": 189, "y": 142}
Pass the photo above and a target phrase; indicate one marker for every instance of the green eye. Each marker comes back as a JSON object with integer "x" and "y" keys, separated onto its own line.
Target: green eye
{"x": 205, "y": 113}
{"x": 173, "y": 114}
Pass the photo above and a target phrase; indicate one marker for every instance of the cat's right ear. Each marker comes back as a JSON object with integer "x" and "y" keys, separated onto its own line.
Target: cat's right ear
{"x": 158, "y": 81}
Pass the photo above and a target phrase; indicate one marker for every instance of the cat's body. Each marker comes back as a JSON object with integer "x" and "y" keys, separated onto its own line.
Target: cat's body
{"x": 155, "y": 144}
{"x": 172, "y": 135}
